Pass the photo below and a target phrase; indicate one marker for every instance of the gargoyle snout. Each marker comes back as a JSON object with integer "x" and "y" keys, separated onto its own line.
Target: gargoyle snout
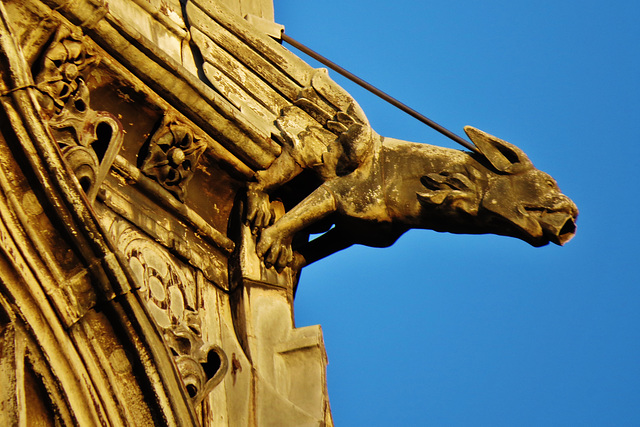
{"x": 564, "y": 204}
{"x": 559, "y": 222}
{"x": 567, "y": 231}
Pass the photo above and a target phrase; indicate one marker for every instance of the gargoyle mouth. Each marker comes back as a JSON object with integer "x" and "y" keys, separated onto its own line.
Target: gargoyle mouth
{"x": 559, "y": 226}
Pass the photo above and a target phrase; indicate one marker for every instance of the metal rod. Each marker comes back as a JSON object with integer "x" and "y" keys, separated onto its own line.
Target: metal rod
{"x": 379, "y": 93}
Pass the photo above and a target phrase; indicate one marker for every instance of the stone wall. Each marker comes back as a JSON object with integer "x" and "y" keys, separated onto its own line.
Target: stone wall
{"x": 131, "y": 290}
{"x": 259, "y": 8}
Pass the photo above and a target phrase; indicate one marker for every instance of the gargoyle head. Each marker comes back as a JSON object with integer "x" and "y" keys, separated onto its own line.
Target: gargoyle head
{"x": 505, "y": 194}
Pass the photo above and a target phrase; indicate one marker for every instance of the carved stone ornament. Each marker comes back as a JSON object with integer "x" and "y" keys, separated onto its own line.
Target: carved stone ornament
{"x": 130, "y": 308}
{"x": 170, "y": 292}
{"x": 172, "y": 156}
{"x": 373, "y": 189}
{"x": 89, "y": 139}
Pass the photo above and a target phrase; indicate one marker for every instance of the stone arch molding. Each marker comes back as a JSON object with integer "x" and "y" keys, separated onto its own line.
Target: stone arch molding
{"x": 170, "y": 291}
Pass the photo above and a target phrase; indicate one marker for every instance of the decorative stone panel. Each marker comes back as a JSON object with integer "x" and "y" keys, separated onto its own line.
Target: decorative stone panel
{"x": 172, "y": 156}
{"x": 89, "y": 139}
{"x": 172, "y": 295}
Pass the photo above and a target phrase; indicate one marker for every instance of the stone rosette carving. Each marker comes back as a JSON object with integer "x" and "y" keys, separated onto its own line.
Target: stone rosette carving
{"x": 172, "y": 156}
{"x": 89, "y": 139}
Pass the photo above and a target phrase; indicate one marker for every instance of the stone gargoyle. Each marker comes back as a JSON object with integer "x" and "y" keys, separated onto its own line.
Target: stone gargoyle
{"x": 371, "y": 189}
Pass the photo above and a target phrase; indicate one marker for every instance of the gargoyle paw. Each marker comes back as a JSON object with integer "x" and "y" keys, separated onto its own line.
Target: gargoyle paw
{"x": 259, "y": 212}
{"x": 273, "y": 250}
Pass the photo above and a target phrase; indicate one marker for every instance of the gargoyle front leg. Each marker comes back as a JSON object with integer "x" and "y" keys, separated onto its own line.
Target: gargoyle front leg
{"x": 274, "y": 245}
{"x": 259, "y": 214}
{"x": 322, "y": 246}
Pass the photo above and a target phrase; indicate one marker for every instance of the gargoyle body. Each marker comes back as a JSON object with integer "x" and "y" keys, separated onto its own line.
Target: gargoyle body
{"x": 373, "y": 189}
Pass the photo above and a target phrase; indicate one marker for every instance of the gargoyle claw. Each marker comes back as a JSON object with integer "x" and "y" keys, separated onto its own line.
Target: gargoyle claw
{"x": 259, "y": 212}
{"x": 273, "y": 250}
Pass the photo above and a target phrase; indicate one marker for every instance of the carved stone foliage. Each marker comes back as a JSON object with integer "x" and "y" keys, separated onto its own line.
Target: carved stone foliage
{"x": 171, "y": 294}
{"x": 89, "y": 139}
{"x": 171, "y": 157}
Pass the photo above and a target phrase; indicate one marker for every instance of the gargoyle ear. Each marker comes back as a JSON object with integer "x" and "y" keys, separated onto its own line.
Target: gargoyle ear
{"x": 504, "y": 156}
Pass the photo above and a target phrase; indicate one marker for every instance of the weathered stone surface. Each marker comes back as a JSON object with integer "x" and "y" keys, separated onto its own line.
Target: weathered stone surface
{"x": 89, "y": 139}
{"x": 376, "y": 188}
{"x": 131, "y": 265}
{"x": 162, "y": 164}
{"x": 172, "y": 157}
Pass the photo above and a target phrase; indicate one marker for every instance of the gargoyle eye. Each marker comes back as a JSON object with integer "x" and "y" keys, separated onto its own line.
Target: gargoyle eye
{"x": 551, "y": 183}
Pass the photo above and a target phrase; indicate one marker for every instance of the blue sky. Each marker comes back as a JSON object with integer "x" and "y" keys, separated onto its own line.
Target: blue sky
{"x": 450, "y": 330}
